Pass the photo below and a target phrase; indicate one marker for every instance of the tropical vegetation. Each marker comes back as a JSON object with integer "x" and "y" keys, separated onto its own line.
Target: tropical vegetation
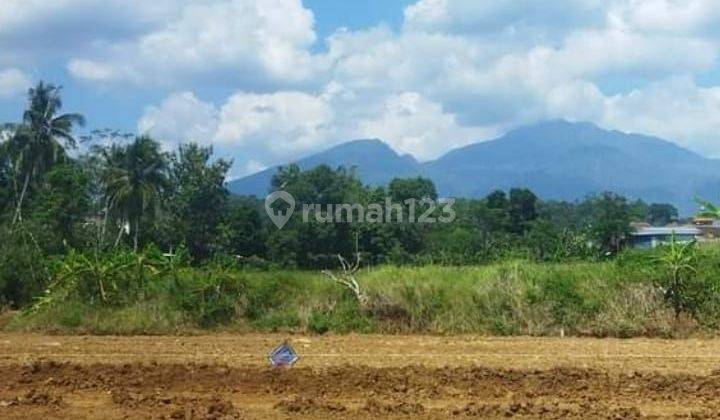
{"x": 109, "y": 232}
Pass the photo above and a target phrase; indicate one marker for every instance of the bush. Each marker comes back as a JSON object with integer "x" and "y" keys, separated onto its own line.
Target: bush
{"x": 211, "y": 297}
{"x": 24, "y": 271}
{"x": 147, "y": 293}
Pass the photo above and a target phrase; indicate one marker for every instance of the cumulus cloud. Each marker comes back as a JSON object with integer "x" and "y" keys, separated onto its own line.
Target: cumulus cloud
{"x": 245, "y": 41}
{"x": 181, "y": 117}
{"x": 412, "y": 124}
{"x": 13, "y": 82}
{"x": 266, "y": 128}
{"x": 456, "y": 71}
{"x": 675, "y": 109}
{"x": 689, "y": 17}
{"x": 282, "y": 122}
{"x": 547, "y": 20}
{"x": 453, "y": 72}
{"x": 282, "y": 126}
{"x": 33, "y": 31}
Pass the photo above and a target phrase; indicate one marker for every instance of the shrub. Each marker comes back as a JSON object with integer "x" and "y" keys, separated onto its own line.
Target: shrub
{"x": 210, "y": 296}
{"x": 24, "y": 270}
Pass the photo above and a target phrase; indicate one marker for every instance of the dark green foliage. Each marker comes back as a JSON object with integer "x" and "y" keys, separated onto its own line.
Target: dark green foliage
{"x": 198, "y": 199}
{"x": 549, "y": 242}
{"x": 522, "y": 209}
{"x": 610, "y": 221}
{"x": 412, "y": 188}
{"x": 242, "y": 232}
{"x": 24, "y": 271}
{"x": 61, "y": 206}
{"x": 134, "y": 176}
{"x": 661, "y": 214}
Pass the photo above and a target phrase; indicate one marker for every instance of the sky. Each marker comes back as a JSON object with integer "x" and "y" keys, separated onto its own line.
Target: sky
{"x": 267, "y": 81}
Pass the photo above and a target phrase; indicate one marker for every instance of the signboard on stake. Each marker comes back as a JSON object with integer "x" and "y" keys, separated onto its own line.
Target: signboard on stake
{"x": 283, "y": 355}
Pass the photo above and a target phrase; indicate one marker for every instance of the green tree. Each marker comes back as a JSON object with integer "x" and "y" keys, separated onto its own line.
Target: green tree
{"x": 134, "y": 177}
{"x": 401, "y": 189}
{"x": 639, "y": 211}
{"x": 199, "y": 198}
{"x": 495, "y": 216}
{"x": 522, "y": 209}
{"x": 242, "y": 231}
{"x": 661, "y": 214}
{"x": 41, "y": 140}
{"x": 63, "y": 204}
{"x": 317, "y": 240}
{"x": 497, "y": 200}
{"x": 610, "y": 223}
{"x": 5, "y": 179}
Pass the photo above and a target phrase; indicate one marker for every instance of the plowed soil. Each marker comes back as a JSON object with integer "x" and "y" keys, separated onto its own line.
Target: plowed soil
{"x": 356, "y": 377}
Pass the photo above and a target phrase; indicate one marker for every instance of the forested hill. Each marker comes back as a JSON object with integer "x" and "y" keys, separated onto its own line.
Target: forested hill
{"x": 557, "y": 160}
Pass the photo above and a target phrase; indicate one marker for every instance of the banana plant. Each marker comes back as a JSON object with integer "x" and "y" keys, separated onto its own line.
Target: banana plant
{"x": 103, "y": 278}
{"x": 679, "y": 259}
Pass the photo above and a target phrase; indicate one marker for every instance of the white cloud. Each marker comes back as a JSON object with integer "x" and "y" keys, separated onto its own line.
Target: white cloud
{"x": 181, "y": 117}
{"x": 247, "y": 41}
{"x": 258, "y": 129}
{"x": 675, "y": 109}
{"x": 454, "y": 71}
{"x": 283, "y": 123}
{"x": 99, "y": 72}
{"x": 412, "y": 124}
{"x": 266, "y": 129}
{"x": 34, "y": 31}
{"x": 457, "y": 71}
{"x": 546, "y": 20}
{"x": 252, "y": 166}
{"x": 687, "y": 17}
{"x": 13, "y": 82}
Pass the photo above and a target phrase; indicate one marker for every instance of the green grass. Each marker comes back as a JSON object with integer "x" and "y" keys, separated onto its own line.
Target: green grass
{"x": 614, "y": 298}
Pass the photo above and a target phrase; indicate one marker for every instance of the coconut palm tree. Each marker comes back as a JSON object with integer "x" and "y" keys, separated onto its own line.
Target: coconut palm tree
{"x": 42, "y": 139}
{"x": 134, "y": 176}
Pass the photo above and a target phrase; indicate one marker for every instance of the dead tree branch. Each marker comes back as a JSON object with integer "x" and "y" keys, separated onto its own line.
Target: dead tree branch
{"x": 348, "y": 278}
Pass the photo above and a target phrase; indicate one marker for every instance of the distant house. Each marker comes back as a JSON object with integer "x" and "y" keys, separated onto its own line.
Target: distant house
{"x": 709, "y": 226}
{"x": 645, "y": 237}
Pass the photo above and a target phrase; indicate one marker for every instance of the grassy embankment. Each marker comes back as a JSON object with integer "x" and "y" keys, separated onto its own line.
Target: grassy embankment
{"x": 622, "y": 297}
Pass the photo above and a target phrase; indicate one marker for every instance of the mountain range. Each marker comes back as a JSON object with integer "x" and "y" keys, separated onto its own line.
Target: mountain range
{"x": 557, "y": 160}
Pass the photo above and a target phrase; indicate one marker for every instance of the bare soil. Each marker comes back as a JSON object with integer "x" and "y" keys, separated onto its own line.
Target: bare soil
{"x": 226, "y": 376}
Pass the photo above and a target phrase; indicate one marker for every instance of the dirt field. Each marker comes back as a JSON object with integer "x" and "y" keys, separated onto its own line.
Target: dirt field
{"x": 356, "y": 377}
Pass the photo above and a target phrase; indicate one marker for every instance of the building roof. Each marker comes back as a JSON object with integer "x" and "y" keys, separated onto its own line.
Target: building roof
{"x": 667, "y": 230}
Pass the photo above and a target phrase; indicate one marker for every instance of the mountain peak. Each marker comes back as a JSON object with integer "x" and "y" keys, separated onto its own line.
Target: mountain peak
{"x": 364, "y": 142}
{"x": 556, "y": 129}
{"x": 557, "y": 159}
{"x": 360, "y": 144}
{"x": 375, "y": 161}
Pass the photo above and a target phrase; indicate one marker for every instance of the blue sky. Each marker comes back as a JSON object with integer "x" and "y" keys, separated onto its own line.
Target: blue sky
{"x": 265, "y": 81}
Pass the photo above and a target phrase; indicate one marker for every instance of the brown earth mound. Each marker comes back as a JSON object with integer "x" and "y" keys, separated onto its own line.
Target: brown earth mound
{"x": 192, "y": 391}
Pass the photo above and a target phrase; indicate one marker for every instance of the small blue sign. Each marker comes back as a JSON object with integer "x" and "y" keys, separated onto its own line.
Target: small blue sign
{"x": 283, "y": 355}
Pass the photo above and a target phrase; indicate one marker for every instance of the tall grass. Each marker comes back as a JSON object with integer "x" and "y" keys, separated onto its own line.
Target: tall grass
{"x": 614, "y": 298}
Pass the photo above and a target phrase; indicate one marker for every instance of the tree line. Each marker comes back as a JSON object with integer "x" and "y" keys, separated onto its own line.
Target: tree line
{"x": 107, "y": 191}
